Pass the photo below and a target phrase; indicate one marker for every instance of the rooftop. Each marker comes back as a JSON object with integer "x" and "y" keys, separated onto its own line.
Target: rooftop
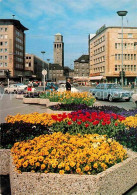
{"x": 83, "y": 59}
{"x": 14, "y": 22}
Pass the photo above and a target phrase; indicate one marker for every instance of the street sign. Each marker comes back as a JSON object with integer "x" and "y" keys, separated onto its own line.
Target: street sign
{"x": 44, "y": 72}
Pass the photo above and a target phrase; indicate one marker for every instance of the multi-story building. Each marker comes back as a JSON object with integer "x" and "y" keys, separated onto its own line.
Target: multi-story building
{"x": 105, "y": 54}
{"x": 12, "y": 48}
{"x": 59, "y": 50}
{"x": 56, "y": 72}
{"x": 68, "y": 72}
{"x": 81, "y": 66}
{"x": 34, "y": 66}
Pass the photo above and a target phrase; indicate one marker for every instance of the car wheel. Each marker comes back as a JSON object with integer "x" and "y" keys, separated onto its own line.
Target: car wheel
{"x": 128, "y": 100}
{"x": 15, "y": 92}
{"x": 6, "y": 91}
{"x": 110, "y": 98}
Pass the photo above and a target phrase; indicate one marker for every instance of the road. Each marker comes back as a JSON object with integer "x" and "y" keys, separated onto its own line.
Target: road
{"x": 9, "y": 105}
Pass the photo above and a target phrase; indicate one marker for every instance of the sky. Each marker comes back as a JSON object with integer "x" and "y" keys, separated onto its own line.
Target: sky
{"x": 74, "y": 19}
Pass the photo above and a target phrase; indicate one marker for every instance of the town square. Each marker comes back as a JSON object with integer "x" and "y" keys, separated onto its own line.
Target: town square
{"x": 68, "y": 97}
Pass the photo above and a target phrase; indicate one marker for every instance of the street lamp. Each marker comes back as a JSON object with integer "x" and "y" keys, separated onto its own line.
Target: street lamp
{"x": 43, "y": 52}
{"x": 48, "y": 69}
{"x": 122, "y": 13}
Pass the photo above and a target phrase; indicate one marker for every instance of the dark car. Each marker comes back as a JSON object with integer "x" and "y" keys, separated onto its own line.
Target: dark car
{"x": 111, "y": 91}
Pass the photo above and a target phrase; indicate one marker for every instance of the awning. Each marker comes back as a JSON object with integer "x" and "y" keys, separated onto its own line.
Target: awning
{"x": 96, "y": 78}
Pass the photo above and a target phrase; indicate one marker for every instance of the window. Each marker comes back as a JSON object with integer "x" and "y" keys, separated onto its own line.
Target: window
{"x": 115, "y": 45}
{"x": 130, "y": 35}
{"x": 1, "y": 29}
{"x": 134, "y": 67}
{"x": 131, "y": 67}
{"x": 131, "y": 56}
{"x": 119, "y": 35}
{"x": 1, "y": 43}
{"x": 1, "y": 64}
{"x": 1, "y": 57}
{"x": 6, "y": 64}
{"x": 6, "y": 50}
{"x": 119, "y": 56}
{"x": 128, "y": 56}
{"x": 6, "y": 36}
{"x": 6, "y": 29}
{"x": 29, "y": 57}
{"x": 1, "y": 36}
{"x": 6, "y": 43}
{"x": 115, "y": 56}
{"x": 134, "y": 56}
{"x": 115, "y": 67}
{"x": 6, "y": 57}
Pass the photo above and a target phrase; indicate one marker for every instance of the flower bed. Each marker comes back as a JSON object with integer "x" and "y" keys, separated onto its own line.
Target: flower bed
{"x": 65, "y": 153}
{"x": 68, "y": 97}
{"x": 107, "y": 182}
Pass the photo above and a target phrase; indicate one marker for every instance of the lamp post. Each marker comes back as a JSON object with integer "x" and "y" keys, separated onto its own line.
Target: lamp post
{"x": 122, "y": 13}
{"x": 48, "y": 69}
{"x": 43, "y": 52}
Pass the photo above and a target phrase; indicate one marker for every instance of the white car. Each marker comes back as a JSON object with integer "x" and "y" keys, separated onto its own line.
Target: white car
{"x": 14, "y": 88}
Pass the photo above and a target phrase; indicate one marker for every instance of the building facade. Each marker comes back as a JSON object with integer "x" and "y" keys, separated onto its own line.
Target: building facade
{"x": 59, "y": 50}
{"x": 34, "y": 66}
{"x": 12, "y": 48}
{"x": 105, "y": 54}
{"x": 56, "y": 72}
{"x": 81, "y": 66}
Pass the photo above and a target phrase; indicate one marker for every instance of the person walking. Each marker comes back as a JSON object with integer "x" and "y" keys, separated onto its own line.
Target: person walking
{"x": 68, "y": 85}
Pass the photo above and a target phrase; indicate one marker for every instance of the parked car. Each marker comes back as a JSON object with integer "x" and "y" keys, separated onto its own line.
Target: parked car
{"x": 15, "y": 88}
{"x": 111, "y": 91}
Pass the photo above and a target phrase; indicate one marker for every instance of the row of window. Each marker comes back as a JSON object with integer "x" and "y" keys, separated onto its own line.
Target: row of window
{"x": 19, "y": 47}
{"x": 125, "y": 45}
{"x": 57, "y": 45}
{"x": 99, "y": 50}
{"x": 20, "y": 34}
{"x": 19, "y": 59}
{"x": 5, "y": 50}
{"x": 83, "y": 70}
{"x": 83, "y": 75}
{"x": 129, "y": 35}
{"x": 3, "y": 57}
{"x": 125, "y": 56}
{"x": 28, "y": 57}
{"x": 3, "y": 36}
{"x": 20, "y": 66}
{"x": 19, "y": 53}
{"x": 100, "y": 40}
{"x": 126, "y": 67}
{"x": 3, "y": 64}
{"x": 19, "y": 40}
{"x": 99, "y": 60}
{"x": 3, "y": 29}
{"x": 99, "y": 69}
{"x": 3, "y": 43}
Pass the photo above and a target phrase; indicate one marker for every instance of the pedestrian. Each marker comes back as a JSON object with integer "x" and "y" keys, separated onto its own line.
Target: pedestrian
{"x": 68, "y": 85}
{"x": 132, "y": 85}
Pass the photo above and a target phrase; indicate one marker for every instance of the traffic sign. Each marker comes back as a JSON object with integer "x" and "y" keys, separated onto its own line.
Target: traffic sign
{"x": 44, "y": 72}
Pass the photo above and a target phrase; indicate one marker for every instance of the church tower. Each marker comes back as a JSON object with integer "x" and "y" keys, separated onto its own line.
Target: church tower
{"x": 59, "y": 50}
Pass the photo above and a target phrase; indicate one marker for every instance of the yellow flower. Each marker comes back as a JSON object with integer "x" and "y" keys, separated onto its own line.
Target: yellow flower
{"x": 43, "y": 166}
{"x": 61, "y": 172}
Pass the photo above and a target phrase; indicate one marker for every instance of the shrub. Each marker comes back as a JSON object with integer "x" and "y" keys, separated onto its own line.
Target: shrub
{"x": 59, "y": 153}
{"x": 70, "y": 107}
{"x": 18, "y": 131}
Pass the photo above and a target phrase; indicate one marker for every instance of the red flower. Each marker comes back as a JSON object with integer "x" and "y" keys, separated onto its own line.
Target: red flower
{"x": 116, "y": 124}
{"x": 108, "y": 122}
{"x": 74, "y": 119}
{"x": 95, "y": 123}
{"x": 69, "y": 123}
{"x": 79, "y": 123}
{"x": 86, "y": 125}
{"x": 103, "y": 123}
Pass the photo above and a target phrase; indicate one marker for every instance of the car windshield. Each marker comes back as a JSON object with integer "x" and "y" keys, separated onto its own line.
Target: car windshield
{"x": 113, "y": 86}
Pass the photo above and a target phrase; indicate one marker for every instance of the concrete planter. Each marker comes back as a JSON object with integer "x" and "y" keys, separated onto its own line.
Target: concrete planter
{"x": 4, "y": 161}
{"x": 19, "y": 96}
{"x": 44, "y": 101}
{"x": 53, "y": 103}
{"x": 115, "y": 180}
{"x": 30, "y": 100}
{"x": 134, "y": 97}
